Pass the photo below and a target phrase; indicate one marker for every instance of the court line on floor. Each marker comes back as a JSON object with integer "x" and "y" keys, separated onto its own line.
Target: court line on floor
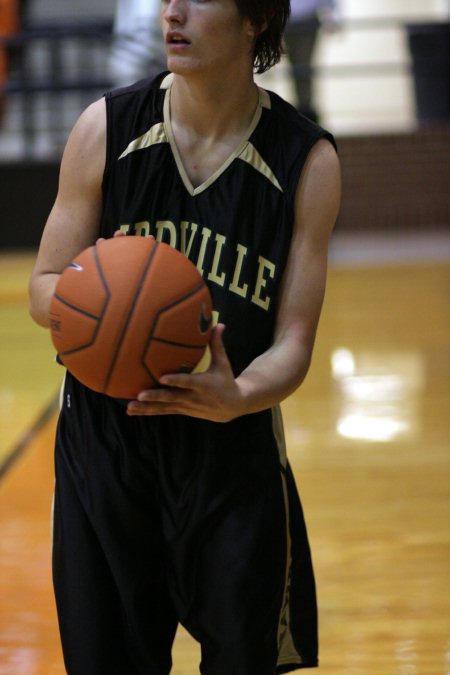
{"x": 19, "y": 449}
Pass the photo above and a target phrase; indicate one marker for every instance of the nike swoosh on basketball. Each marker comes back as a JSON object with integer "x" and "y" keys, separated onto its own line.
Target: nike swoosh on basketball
{"x": 205, "y": 322}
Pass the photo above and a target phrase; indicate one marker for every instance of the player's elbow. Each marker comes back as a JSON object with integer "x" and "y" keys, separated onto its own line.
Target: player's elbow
{"x": 40, "y": 291}
{"x": 301, "y": 368}
{"x": 299, "y": 352}
{"x": 36, "y": 313}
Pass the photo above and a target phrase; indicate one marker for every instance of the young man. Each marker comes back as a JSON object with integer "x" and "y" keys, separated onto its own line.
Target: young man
{"x": 180, "y": 506}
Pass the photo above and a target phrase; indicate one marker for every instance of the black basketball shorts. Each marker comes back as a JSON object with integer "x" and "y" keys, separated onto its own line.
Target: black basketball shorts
{"x": 167, "y": 520}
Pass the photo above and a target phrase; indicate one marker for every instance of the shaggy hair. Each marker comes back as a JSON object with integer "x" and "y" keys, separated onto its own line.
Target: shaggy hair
{"x": 270, "y": 17}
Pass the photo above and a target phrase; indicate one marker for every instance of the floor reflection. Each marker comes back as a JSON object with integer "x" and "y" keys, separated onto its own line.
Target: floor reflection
{"x": 368, "y": 438}
{"x": 379, "y": 393}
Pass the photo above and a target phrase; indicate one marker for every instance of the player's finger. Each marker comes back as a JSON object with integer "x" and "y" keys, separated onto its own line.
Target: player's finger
{"x": 167, "y": 394}
{"x": 179, "y": 381}
{"x": 151, "y": 409}
{"x": 218, "y": 352}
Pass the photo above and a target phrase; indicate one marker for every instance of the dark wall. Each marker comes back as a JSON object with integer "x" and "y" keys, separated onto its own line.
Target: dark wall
{"x": 27, "y": 193}
{"x": 396, "y": 181}
{"x": 390, "y": 181}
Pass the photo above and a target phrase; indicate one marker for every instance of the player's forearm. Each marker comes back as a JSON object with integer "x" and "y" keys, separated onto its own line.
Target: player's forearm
{"x": 41, "y": 290}
{"x": 274, "y": 375}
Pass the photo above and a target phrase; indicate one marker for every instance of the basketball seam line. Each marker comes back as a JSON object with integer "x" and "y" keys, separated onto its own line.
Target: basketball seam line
{"x": 99, "y": 318}
{"x": 155, "y": 322}
{"x": 175, "y": 344}
{"x": 77, "y": 309}
{"x": 129, "y": 315}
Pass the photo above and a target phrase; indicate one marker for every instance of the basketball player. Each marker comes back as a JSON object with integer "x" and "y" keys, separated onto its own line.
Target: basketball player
{"x": 180, "y": 506}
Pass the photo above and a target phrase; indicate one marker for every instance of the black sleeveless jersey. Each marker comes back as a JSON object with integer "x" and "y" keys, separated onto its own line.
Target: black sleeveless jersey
{"x": 236, "y": 227}
{"x": 210, "y": 509}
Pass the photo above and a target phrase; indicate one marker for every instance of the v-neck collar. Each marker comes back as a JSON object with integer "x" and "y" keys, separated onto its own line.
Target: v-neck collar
{"x": 263, "y": 101}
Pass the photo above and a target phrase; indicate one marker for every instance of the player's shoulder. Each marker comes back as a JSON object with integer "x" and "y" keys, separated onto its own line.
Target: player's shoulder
{"x": 131, "y": 111}
{"x": 137, "y": 90}
{"x": 290, "y": 126}
{"x": 285, "y": 140}
{"x": 88, "y": 133}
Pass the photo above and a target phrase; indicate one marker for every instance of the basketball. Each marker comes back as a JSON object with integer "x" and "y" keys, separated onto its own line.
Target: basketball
{"x": 127, "y": 311}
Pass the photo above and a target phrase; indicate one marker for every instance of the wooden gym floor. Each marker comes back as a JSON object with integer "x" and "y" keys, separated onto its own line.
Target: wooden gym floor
{"x": 369, "y": 441}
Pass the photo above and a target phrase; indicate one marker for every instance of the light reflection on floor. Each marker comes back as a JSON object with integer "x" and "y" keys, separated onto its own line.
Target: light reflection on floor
{"x": 379, "y": 393}
{"x": 368, "y": 437}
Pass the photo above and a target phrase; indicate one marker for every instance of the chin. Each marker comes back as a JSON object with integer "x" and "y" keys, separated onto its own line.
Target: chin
{"x": 181, "y": 66}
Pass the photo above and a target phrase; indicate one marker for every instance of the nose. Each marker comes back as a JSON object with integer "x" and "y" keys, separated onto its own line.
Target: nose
{"x": 173, "y": 11}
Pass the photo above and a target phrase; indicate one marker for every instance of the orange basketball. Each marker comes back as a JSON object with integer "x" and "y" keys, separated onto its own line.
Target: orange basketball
{"x": 127, "y": 311}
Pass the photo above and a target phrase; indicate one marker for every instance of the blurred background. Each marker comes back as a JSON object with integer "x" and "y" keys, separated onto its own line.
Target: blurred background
{"x": 369, "y": 431}
{"x": 379, "y": 72}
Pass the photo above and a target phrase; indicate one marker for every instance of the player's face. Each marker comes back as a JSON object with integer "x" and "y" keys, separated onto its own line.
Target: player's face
{"x": 205, "y": 35}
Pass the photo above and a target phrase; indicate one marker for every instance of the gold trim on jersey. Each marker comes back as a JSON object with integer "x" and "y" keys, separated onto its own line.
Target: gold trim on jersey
{"x": 241, "y": 152}
{"x": 156, "y": 134}
{"x": 250, "y": 155}
{"x": 287, "y": 653}
{"x": 162, "y": 133}
{"x": 167, "y": 82}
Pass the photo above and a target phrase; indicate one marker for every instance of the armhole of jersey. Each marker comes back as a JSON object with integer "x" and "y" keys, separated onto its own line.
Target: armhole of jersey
{"x": 108, "y": 163}
{"x": 108, "y": 160}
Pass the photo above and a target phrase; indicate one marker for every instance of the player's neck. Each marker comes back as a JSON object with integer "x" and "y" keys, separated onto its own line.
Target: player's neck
{"x": 213, "y": 108}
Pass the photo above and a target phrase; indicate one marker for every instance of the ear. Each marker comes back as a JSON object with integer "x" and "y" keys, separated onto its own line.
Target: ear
{"x": 251, "y": 31}
{"x": 254, "y": 30}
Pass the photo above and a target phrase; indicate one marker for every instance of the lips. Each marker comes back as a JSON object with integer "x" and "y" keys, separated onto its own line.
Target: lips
{"x": 175, "y": 38}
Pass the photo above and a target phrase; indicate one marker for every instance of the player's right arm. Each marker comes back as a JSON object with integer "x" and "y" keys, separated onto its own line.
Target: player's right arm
{"x": 73, "y": 223}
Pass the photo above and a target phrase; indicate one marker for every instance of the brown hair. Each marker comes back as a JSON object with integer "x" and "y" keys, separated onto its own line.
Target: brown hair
{"x": 270, "y": 17}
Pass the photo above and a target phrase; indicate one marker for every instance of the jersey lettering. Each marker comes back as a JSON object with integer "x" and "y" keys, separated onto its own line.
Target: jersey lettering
{"x": 184, "y": 226}
{"x": 166, "y": 226}
{"x": 167, "y": 231}
{"x": 214, "y": 275}
{"x": 261, "y": 282}
{"x": 234, "y": 286}
{"x": 206, "y": 233}
{"x": 142, "y": 229}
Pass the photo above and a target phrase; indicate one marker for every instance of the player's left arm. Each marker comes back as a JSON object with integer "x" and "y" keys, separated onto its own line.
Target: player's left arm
{"x": 270, "y": 378}
{"x": 280, "y": 371}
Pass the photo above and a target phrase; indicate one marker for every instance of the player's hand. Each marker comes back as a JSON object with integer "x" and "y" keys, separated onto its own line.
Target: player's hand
{"x": 119, "y": 233}
{"x": 213, "y": 395}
